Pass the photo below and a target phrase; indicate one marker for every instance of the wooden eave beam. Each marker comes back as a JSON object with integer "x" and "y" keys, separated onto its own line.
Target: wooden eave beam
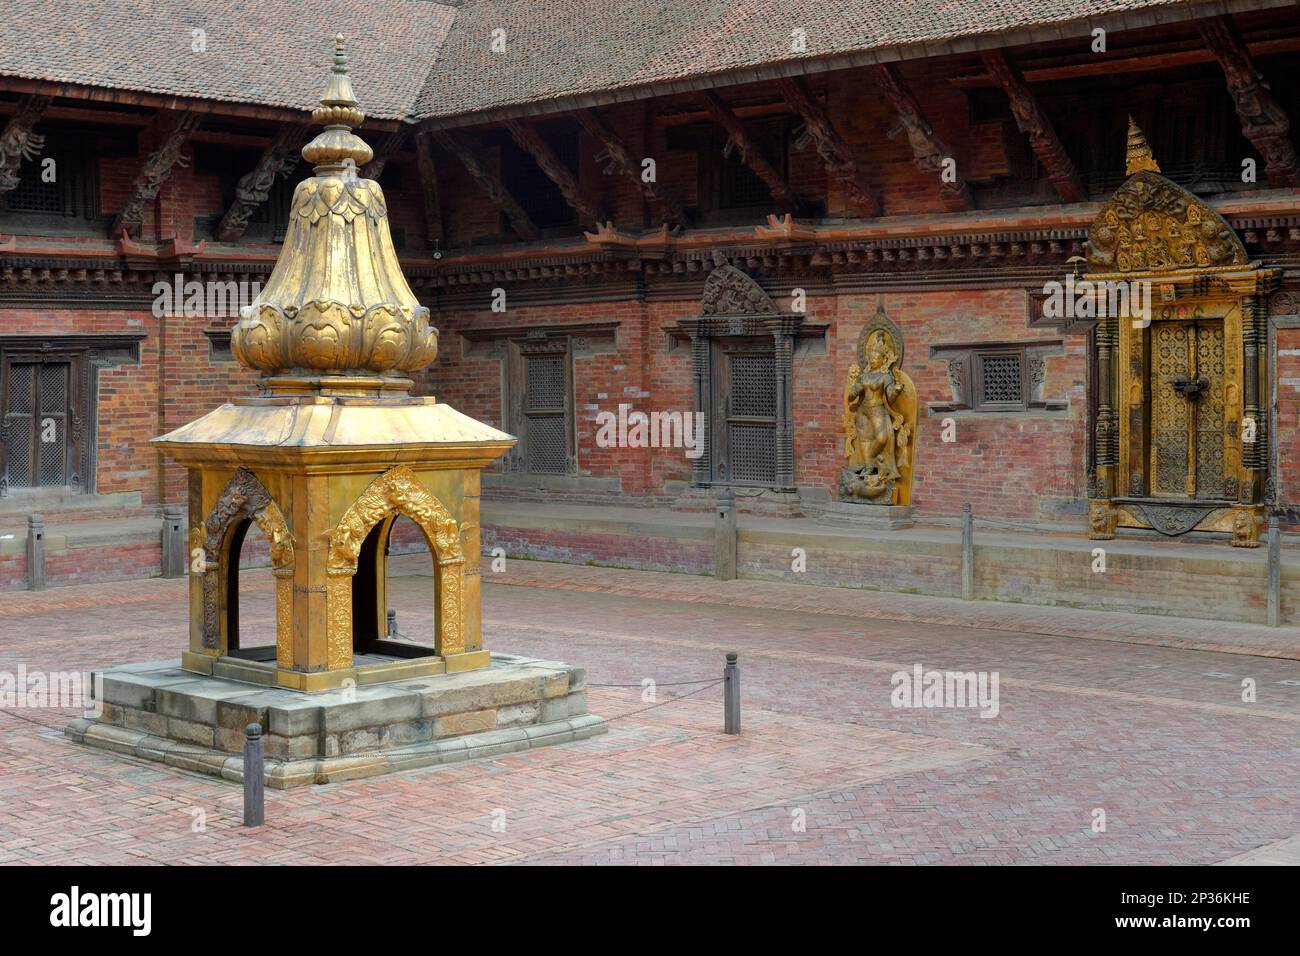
{"x": 753, "y": 157}
{"x": 834, "y": 152}
{"x": 1035, "y": 124}
{"x": 491, "y": 184}
{"x": 155, "y": 171}
{"x": 278, "y": 159}
{"x": 1263, "y": 121}
{"x": 579, "y": 200}
{"x": 619, "y": 156}
{"x": 929, "y": 150}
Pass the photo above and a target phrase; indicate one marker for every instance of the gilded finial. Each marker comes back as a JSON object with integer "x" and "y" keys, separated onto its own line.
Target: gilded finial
{"x": 1139, "y": 158}
{"x": 338, "y": 113}
{"x": 336, "y": 316}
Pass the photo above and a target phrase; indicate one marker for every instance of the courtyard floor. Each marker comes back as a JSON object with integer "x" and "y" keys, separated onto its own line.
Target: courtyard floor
{"x": 1097, "y": 712}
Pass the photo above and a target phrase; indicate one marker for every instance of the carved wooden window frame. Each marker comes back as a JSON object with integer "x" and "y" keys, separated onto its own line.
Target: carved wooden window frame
{"x": 87, "y": 355}
{"x": 519, "y": 414}
{"x": 965, "y": 366}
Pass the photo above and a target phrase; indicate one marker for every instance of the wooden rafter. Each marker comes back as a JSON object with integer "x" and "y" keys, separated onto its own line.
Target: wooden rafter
{"x": 830, "y": 146}
{"x": 1035, "y": 124}
{"x": 929, "y": 150}
{"x": 278, "y": 159}
{"x": 1263, "y": 121}
{"x": 388, "y": 147}
{"x": 429, "y": 188}
{"x": 622, "y": 161}
{"x": 491, "y": 184}
{"x": 153, "y": 174}
{"x": 750, "y": 153}
{"x": 19, "y": 140}
{"x": 579, "y": 200}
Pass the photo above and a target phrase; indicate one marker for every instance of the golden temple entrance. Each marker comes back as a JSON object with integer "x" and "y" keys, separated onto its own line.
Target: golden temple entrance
{"x": 1180, "y": 438}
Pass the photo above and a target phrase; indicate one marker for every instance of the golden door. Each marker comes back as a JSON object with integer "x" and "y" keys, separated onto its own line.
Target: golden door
{"x": 1189, "y": 394}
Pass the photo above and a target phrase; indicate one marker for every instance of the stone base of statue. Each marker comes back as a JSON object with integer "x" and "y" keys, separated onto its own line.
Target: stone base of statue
{"x": 864, "y": 515}
{"x": 156, "y": 711}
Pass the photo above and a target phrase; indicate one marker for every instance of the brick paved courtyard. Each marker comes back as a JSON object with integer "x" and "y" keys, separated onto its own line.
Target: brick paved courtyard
{"x": 827, "y": 771}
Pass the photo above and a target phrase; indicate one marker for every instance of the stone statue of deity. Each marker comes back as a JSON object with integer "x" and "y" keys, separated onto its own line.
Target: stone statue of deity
{"x": 879, "y": 419}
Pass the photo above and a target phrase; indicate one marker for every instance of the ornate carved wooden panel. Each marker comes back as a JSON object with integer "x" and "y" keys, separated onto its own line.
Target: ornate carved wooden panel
{"x": 1183, "y": 376}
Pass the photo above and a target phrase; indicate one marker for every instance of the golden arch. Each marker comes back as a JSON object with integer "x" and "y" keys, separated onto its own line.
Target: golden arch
{"x": 245, "y": 498}
{"x": 396, "y": 491}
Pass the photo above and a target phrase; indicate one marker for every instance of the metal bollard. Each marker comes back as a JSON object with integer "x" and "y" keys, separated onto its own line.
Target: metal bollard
{"x": 254, "y": 773}
{"x": 724, "y": 537}
{"x": 731, "y": 695}
{"x": 1274, "y": 573}
{"x": 967, "y": 554}
{"x": 174, "y": 560}
{"x": 35, "y": 553}
{"x": 392, "y": 623}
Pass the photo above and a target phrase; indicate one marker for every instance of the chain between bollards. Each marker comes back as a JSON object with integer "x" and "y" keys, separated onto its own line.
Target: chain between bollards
{"x": 731, "y": 695}
{"x": 254, "y": 776}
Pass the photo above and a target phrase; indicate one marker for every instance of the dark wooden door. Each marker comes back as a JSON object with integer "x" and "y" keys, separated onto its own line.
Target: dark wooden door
{"x": 744, "y": 411}
{"x": 35, "y": 425}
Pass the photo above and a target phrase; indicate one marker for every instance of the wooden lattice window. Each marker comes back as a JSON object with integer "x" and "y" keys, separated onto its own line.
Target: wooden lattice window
{"x": 997, "y": 377}
{"x": 47, "y": 407}
{"x": 539, "y": 406}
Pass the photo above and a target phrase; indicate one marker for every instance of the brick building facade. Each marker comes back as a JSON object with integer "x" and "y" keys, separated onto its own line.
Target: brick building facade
{"x": 560, "y": 199}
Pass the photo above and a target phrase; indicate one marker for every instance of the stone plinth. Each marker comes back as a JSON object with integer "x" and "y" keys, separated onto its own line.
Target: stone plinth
{"x": 867, "y": 516}
{"x": 157, "y": 711}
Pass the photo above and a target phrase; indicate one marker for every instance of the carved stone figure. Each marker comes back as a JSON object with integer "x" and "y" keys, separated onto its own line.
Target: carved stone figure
{"x": 879, "y": 419}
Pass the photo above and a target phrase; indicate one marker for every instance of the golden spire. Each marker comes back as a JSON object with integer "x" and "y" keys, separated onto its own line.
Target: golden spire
{"x": 337, "y": 316}
{"x": 1139, "y": 158}
{"x": 338, "y": 113}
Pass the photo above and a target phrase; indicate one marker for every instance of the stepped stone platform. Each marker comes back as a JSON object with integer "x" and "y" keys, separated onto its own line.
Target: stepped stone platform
{"x": 156, "y": 711}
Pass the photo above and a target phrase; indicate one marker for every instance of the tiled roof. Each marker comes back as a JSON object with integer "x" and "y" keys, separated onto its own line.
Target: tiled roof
{"x": 560, "y": 48}
{"x": 264, "y": 52}
{"x": 422, "y": 58}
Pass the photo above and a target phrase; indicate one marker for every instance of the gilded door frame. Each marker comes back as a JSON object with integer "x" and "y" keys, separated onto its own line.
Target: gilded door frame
{"x": 1155, "y": 236}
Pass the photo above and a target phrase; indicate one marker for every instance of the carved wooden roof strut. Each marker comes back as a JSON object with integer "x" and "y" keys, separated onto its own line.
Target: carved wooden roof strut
{"x": 1263, "y": 121}
{"x": 579, "y": 200}
{"x": 254, "y": 188}
{"x": 830, "y": 146}
{"x": 1034, "y": 123}
{"x": 389, "y": 147}
{"x": 155, "y": 171}
{"x": 929, "y": 149}
{"x": 19, "y": 140}
{"x": 623, "y": 162}
{"x": 429, "y": 188}
{"x": 750, "y": 152}
{"x": 491, "y": 184}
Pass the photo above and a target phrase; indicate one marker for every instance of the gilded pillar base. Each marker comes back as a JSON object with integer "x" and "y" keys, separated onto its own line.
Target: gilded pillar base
{"x": 1102, "y": 519}
{"x": 1246, "y": 523}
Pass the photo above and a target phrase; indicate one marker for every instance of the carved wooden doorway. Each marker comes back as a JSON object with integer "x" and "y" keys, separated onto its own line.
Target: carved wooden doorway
{"x": 1180, "y": 436}
{"x": 744, "y": 410}
{"x": 36, "y": 433}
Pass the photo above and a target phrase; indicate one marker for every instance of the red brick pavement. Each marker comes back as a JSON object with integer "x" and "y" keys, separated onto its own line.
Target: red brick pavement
{"x": 1156, "y": 736}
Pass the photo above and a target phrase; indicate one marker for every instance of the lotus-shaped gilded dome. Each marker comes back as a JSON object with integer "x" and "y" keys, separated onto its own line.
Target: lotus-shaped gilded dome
{"x": 336, "y": 303}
